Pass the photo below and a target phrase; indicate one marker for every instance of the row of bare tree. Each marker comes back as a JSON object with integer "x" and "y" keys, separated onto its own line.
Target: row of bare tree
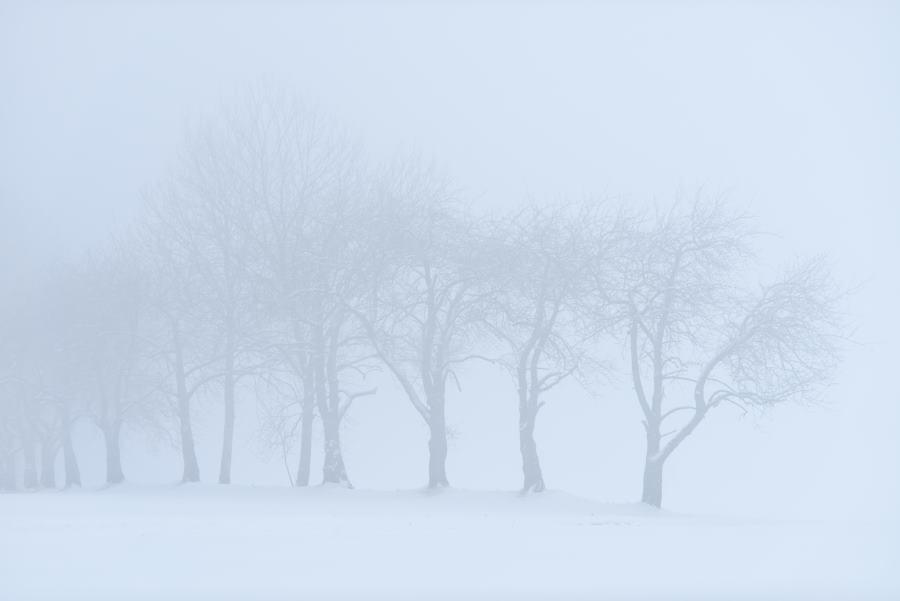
{"x": 274, "y": 263}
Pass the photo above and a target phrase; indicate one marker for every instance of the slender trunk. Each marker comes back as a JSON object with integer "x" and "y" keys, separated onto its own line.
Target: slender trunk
{"x": 48, "y": 464}
{"x": 333, "y": 470}
{"x": 114, "y": 473}
{"x": 188, "y": 454}
{"x": 653, "y": 463}
{"x": 308, "y": 371}
{"x": 305, "y": 441}
{"x": 73, "y": 474}
{"x": 228, "y": 435}
{"x": 437, "y": 445}
{"x": 191, "y": 471}
{"x": 29, "y": 465}
{"x": 533, "y": 478}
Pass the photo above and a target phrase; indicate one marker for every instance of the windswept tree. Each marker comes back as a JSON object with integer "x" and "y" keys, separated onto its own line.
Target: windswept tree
{"x": 699, "y": 337}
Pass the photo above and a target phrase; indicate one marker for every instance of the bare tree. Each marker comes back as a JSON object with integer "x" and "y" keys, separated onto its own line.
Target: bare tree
{"x": 185, "y": 346}
{"x": 213, "y": 193}
{"x": 692, "y": 329}
{"x": 427, "y": 302}
{"x": 56, "y": 372}
{"x": 540, "y": 280}
{"x": 307, "y": 222}
{"x": 17, "y": 427}
{"x": 113, "y": 348}
{"x": 340, "y": 349}
{"x": 31, "y": 418}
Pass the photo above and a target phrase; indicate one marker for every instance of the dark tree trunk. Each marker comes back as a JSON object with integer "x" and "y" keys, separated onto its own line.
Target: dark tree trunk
{"x": 114, "y": 473}
{"x": 29, "y": 466}
{"x": 228, "y": 435}
{"x": 73, "y": 474}
{"x": 652, "y": 489}
{"x": 48, "y": 464}
{"x": 305, "y": 442}
{"x": 437, "y": 446}
{"x": 533, "y": 478}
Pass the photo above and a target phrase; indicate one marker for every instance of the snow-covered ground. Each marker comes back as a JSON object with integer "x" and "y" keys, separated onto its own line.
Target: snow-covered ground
{"x": 205, "y": 542}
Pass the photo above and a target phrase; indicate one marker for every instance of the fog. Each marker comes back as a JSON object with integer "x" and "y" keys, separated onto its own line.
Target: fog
{"x": 618, "y": 130}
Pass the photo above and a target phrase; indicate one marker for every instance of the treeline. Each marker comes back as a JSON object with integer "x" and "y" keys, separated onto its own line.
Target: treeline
{"x": 275, "y": 263}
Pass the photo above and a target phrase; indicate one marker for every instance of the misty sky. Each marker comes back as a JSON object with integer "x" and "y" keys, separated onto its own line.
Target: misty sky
{"x": 790, "y": 110}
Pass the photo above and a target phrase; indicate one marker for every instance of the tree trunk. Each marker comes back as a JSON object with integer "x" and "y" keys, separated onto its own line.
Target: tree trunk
{"x": 437, "y": 446}
{"x": 533, "y": 478}
{"x": 29, "y": 466}
{"x": 48, "y": 464}
{"x": 653, "y": 464}
{"x": 308, "y": 404}
{"x": 228, "y": 435}
{"x": 652, "y": 489}
{"x": 73, "y": 474}
{"x": 191, "y": 471}
{"x": 114, "y": 473}
{"x": 305, "y": 442}
{"x": 333, "y": 470}
{"x": 7, "y": 473}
